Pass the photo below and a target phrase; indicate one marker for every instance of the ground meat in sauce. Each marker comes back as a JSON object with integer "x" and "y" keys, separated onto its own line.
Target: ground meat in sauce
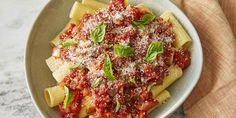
{"x": 134, "y": 97}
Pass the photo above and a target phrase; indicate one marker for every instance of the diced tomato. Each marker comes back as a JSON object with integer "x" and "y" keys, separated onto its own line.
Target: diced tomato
{"x": 137, "y": 13}
{"x": 147, "y": 105}
{"x": 67, "y": 33}
{"x": 142, "y": 114}
{"x": 150, "y": 73}
{"x": 64, "y": 54}
{"x": 72, "y": 111}
{"x": 182, "y": 58}
{"x": 117, "y": 5}
{"x": 168, "y": 56}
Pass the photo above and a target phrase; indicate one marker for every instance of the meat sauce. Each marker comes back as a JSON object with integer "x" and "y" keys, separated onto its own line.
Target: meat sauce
{"x": 133, "y": 96}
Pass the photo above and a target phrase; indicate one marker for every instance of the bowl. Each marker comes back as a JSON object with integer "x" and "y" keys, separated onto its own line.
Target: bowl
{"x": 52, "y": 20}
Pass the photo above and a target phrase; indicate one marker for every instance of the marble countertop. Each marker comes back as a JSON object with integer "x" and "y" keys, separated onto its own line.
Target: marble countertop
{"x": 17, "y": 18}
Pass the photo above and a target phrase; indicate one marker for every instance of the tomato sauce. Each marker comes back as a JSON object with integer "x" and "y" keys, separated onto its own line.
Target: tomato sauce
{"x": 133, "y": 74}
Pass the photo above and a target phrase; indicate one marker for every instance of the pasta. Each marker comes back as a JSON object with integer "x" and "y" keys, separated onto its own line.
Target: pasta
{"x": 94, "y": 4}
{"x": 53, "y": 63}
{"x": 182, "y": 37}
{"x": 115, "y": 61}
{"x": 61, "y": 72}
{"x": 161, "y": 98}
{"x": 174, "y": 73}
{"x": 56, "y": 41}
{"x": 143, "y": 8}
{"x": 78, "y": 10}
{"x": 54, "y": 95}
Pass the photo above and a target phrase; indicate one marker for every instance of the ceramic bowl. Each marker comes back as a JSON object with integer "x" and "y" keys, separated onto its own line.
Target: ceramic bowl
{"x": 51, "y": 21}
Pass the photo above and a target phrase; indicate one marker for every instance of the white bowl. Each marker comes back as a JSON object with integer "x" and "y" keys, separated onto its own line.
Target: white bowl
{"x": 51, "y": 21}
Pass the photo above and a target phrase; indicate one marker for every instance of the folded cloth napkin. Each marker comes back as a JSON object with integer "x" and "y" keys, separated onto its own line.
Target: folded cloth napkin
{"x": 215, "y": 94}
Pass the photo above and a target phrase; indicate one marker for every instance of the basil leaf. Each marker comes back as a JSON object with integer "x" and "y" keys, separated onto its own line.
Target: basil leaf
{"x": 117, "y": 106}
{"x": 98, "y": 33}
{"x": 75, "y": 66}
{"x": 123, "y": 50}
{"x": 107, "y": 68}
{"x": 68, "y": 98}
{"x": 154, "y": 49}
{"x": 96, "y": 82}
{"x": 146, "y": 19}
{"x": 132, "y": 80}
{"x": 138, "y": 25}
{"x": 68, "y": 43}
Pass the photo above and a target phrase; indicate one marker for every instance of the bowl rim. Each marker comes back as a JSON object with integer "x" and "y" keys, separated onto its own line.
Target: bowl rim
{"x": 26, "y": 59}
{"x": 200, "y": 59}
{"x": 167, "y": 113}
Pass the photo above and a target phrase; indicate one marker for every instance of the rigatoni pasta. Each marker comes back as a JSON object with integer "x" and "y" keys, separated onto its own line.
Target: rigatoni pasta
{"x": 54, "y": 95}
{"x": 54, "y": 63}
{"x": 94, "y": 4}
{"x": 61, "y": 72}
{"x": 175, "y": 73}
{"x": 116, "y": 60}
{"x": 78, "y": 10}
{"x": 57, "y": 41}
{"x": 181, "y": 36}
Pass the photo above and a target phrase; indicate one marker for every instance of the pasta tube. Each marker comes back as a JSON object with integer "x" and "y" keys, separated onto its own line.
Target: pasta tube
{"x": 161, "y": 98}
{"x": 54, "y": 95}
{"x": 181, "y": 36}
{"x": 175, "y": 72}
{"x": 53, "y": 63}
{"x": 143, "y": 8}
{"x": 56, "y": 41}
{"x": 61, "y": 72}
{"x": 78, "y": 10}
{"x": 86, "y": 104}
{"x": 94, "y": 4}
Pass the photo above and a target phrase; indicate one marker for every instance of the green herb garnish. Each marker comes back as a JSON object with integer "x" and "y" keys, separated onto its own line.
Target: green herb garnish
{"x": 75, "y": 66}
{"x": 154, "y": 49}
{"x": 68, "y": 98}
{"x": 123, "y": 50}
{"x": 96, "y": 82}
{"x": 107, "y": 68}
{"x": 68, "y": 43}
{"x": 146, "y": 19}
{"x": 98, "y": 33}
{"x": 132, "y": 80}
{"x": 117, "y": 106}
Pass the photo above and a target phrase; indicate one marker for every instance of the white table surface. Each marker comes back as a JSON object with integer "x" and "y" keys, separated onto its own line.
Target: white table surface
{"x": 16, "y": 20}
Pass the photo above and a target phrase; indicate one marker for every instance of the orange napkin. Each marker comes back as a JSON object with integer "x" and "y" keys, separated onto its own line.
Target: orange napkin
{"x": 215, "y": 94}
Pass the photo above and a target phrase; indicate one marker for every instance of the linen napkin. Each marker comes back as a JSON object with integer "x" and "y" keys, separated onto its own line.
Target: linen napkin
{"x": 215, "y": 94}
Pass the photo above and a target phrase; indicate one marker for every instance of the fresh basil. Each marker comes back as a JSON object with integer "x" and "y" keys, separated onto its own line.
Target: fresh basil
{"x": 132, "y": 80}
{"x": 146, "y": 19}
{"x": 98, "y": 33}
{"x": 75, "y": 66}
{"x": 68, "y": 98}
{"x": 117, "y": 106}
{"x": 123, "y": 50}
{"x": 68, "y": 43}
{"x": 96, "y": 82}
{"x": 107, "y": 68}
{"x": 138, "y": 25}
{"x": 154, "y": 49}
